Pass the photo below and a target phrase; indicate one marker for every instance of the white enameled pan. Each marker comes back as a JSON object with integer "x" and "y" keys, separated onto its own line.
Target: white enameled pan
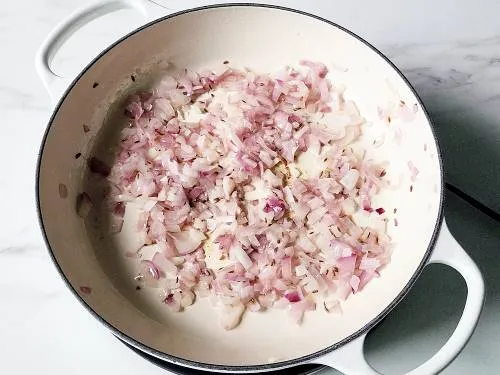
{"x": 263, "y": 38}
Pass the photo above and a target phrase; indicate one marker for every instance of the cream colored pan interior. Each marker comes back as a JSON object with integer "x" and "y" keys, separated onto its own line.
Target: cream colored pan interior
{"x": 263, "y": 39}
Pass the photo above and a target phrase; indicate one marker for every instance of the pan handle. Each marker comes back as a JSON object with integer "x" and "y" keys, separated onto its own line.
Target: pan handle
{"x": 56, "y": 84}
{"x": 350, "y": 358}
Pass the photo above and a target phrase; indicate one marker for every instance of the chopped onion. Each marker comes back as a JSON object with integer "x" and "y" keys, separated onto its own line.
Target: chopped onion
{"x": 247, "y": 188}
{"x": 231, "y": 316}
{"x": 350, "y": 179}
{"x": 150, "y": 270}
{"x": 354, "y": 282}
{"x": 332, "y": 306}
{"x": 187, "y": 241}
{"x": 237, "y": 253}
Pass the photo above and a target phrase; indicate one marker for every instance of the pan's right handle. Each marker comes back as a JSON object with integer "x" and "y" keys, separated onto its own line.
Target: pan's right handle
{"x": 56, "y": 84}
{"x": 350, "y": 358}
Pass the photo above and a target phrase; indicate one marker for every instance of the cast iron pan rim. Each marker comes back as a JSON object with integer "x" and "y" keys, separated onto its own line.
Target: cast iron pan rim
{"x": 245, "y": 368}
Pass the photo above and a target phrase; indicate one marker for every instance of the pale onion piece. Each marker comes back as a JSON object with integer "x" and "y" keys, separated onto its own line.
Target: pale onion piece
{"x": 153, "y": 153}
{"x": 83, "y": 205}
{"x": 349, "y": 206}
{"x": 173, "y": 228}
{"x": 346, "y": 265}
{"x": 162, "y": 195}
{"x": 300, "y": 270}
{"x": 300, "y": 211}
{"x": 340, "y": 249}
{"x": 362, "y": 218}
{"x": 352, "y": 134}
{"x": 261, "y": 190}
{"x": 294, "y": 171}
{"x": 212, "y": 258}
{"x": 379, "y": 140}
{"x": 308, "y": 164}
{"x": 350, "y": 179}
{"x": 165, "y": 85}
{"x": 335, "y": 230}
{"x": 149, "y": 270}
{"x": 332, "y": 306}
{"x": 231, "y": 316}
{"x": 315, "y": 203}
{"x": 297, "y": 313}
{"x": 365, "y": 219}
{"x": 254, "y": 241}
{"x": 384, "y": 239}
{"x": 343, "y": 291}
{"x": 325, "y": 266}
{"x": 190, "y": 171}
{"x": 334, "y": 131}
{"x": 173, "y": 301}
{"x": 165, "y": 265}
{"x": 172, "y": 195}
{"x": 310, "y": 284}
{"x": 266, "y": 159}
{"x": 369, "y": 263}
{"x": 379, "y": 224}
{"x": 148, "y": 206}
{"x": 130, "y": 236}
{"x": 228, "y": 186}
{"x": 225, "y": 220}
{"x": 354, "y": 282}
{"x": 237, "y": 253}
{"x": 193, "y": 114}
{"x": 187, "y": 298}
{"x": 223, "y": 228}
{"x": 314, "y": 216}
{"x": 211, "y": 224}
{"x": 199, "y": 224}
{"x": 147, "y": 252}
{"x": 188, "y": 182}
{"x": 271, "y": 179}
{"x": 323, "y": 239}
{"x": 203, "y": 142}
{"x": 306, "y": 244}
{"x": 188, "y": 240}
{"x": 216, "y": 193}
{"x": 268, "y": 272}
{"x": 211, "y": 155}
{"x": 281, "y": 303}
{"x": 289, "y": 199}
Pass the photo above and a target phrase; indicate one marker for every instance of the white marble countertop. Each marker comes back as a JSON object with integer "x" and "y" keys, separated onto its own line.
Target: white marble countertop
{"x": 450, "y": 52}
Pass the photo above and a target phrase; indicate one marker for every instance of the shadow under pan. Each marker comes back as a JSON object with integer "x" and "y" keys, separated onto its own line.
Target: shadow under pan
{"x": 180, "y": 370}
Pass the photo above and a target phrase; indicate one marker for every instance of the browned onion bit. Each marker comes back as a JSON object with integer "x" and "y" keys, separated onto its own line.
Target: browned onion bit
{"x": 99, "y": 167}
{"x": 86, "y": 289}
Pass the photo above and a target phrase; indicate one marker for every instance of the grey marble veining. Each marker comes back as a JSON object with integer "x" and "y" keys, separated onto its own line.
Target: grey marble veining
{"x": 460, "y": 85}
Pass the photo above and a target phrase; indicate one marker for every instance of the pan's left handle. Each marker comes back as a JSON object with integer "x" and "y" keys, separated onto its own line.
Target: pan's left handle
{"x": 56, "y": 84}
{"x": 350, "y": 358}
